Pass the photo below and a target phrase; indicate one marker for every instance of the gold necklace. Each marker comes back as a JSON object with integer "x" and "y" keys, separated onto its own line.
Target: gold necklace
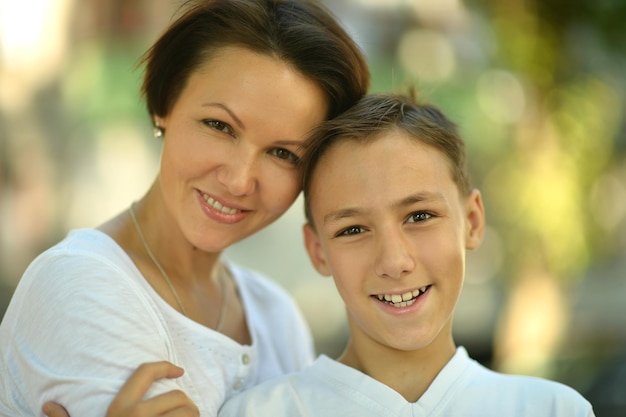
{"x": 222, "y": 272}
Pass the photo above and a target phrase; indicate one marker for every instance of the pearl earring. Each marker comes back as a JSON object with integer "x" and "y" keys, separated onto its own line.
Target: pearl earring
{"x": 157, "y": 132}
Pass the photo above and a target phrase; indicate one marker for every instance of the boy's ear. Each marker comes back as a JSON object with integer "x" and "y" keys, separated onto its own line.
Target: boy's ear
{"x": 315, "y": 251}
{"x": 475, "y": 220}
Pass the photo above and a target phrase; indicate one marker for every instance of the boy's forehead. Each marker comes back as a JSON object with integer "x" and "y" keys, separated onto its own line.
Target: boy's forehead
{"x": 390, "y": 147}
{"x": 388, "y": 166}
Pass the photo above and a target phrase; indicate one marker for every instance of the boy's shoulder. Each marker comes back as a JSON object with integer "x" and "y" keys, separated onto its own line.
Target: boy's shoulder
{"x": 493, "y": 392}
{"x": 463, "y": 387}
{"x": 314, "y": 391}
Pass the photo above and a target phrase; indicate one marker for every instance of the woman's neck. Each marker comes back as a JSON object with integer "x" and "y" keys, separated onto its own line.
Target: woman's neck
{"x": 183, "y": 261}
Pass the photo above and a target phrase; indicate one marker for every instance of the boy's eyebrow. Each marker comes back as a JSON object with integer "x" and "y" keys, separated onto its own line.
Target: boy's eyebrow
{"x": 419, "y": 197}
{"x": 340, "y": 214}
{"x": 407, "y": 201}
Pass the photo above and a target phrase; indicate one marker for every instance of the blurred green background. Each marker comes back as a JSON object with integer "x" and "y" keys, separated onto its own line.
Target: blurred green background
{"x": 538, "y": 89}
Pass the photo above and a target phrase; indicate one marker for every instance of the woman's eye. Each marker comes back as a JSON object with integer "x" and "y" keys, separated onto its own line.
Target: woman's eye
{"x": 219, "y": 126}
{"x": 352, "y": 230}
{"x": 286, "y": 155}
{"x": 418, "y": 217}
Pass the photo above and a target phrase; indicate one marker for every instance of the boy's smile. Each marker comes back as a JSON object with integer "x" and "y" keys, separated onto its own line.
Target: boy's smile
{"x": 392, "y": 229}
{"x": 402, "y": 300}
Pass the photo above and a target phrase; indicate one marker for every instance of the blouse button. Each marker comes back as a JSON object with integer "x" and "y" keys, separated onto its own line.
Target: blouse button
{"x": 245, "y": 359}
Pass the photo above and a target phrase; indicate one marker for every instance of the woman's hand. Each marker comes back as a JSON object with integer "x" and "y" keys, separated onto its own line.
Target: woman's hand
{"x": 129, "y": 401}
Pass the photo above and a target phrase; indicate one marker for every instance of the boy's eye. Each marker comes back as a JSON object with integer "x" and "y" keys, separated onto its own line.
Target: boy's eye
{"x": 352, "y": 230}
{"x": 418, "y": 217}
{"x": 285, "y": 155}
{"x": 219, "y": 126}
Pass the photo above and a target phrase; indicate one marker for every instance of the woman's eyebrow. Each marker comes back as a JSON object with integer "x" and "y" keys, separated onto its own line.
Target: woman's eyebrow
{"x": 227, "y": 110}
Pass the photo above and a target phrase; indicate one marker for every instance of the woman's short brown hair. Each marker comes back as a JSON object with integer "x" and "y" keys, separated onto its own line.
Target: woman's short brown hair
{"x": 302, "y": 33}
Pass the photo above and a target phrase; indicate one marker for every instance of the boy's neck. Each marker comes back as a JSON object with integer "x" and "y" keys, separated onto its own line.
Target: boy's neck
{"x": 409, "y": 373}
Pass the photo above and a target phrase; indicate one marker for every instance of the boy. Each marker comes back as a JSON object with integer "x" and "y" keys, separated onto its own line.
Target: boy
{"x": 390, "y": 214}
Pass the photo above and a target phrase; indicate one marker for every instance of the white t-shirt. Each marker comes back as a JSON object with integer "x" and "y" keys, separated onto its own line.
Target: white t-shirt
{"x": 463, "y": 388}
{"x": 83, "y": 318}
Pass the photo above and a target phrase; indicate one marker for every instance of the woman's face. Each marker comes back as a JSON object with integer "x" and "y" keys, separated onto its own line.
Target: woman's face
{"x": 231, "y": 143}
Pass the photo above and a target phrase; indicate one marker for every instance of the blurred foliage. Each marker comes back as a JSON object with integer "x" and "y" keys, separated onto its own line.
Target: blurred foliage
{"x": 571, "y": 55}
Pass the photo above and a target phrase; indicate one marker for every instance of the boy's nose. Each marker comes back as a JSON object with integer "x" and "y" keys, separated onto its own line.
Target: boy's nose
{"x": 394, "y": 258}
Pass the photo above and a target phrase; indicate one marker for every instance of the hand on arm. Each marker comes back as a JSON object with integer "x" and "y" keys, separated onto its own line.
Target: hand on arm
{"x": 129, "y": 401}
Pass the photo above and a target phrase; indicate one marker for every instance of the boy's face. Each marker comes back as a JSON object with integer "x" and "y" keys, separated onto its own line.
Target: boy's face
{"x": 391, "y": 224}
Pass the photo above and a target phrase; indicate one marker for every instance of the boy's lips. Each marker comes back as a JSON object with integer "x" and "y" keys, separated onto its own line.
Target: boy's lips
{"x": 402, "y": 300}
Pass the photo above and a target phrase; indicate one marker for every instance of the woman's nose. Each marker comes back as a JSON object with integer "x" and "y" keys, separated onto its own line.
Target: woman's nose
{"x": 239, "y": 174}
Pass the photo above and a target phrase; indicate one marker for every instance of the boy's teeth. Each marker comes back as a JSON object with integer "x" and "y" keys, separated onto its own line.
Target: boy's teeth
{"x": 402, "y": 300}
{"x": 407, "y": 303}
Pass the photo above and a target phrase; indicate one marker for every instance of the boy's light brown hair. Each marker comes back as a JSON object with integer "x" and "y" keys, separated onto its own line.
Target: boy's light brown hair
{"x": 376, "y": 114}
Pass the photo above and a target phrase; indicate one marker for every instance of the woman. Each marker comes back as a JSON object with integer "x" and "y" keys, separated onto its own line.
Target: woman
{"x": 233, "y": 88}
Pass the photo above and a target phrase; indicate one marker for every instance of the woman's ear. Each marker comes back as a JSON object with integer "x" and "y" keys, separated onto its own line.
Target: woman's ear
{"x": 315, "y": 250}
{"x": 475, "y": 220}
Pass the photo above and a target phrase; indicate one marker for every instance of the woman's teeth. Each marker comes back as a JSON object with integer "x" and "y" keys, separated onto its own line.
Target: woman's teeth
{"x": 218, "y": 206}
{"x": 402, "y": 300}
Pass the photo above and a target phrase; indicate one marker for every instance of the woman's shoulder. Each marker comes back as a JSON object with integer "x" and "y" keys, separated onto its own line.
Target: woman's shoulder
{"x": 84, "y": 259}
{"x": 83, "y": 246}
{"x": 90, "y": 242}
{"x": 83, "y": 278}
